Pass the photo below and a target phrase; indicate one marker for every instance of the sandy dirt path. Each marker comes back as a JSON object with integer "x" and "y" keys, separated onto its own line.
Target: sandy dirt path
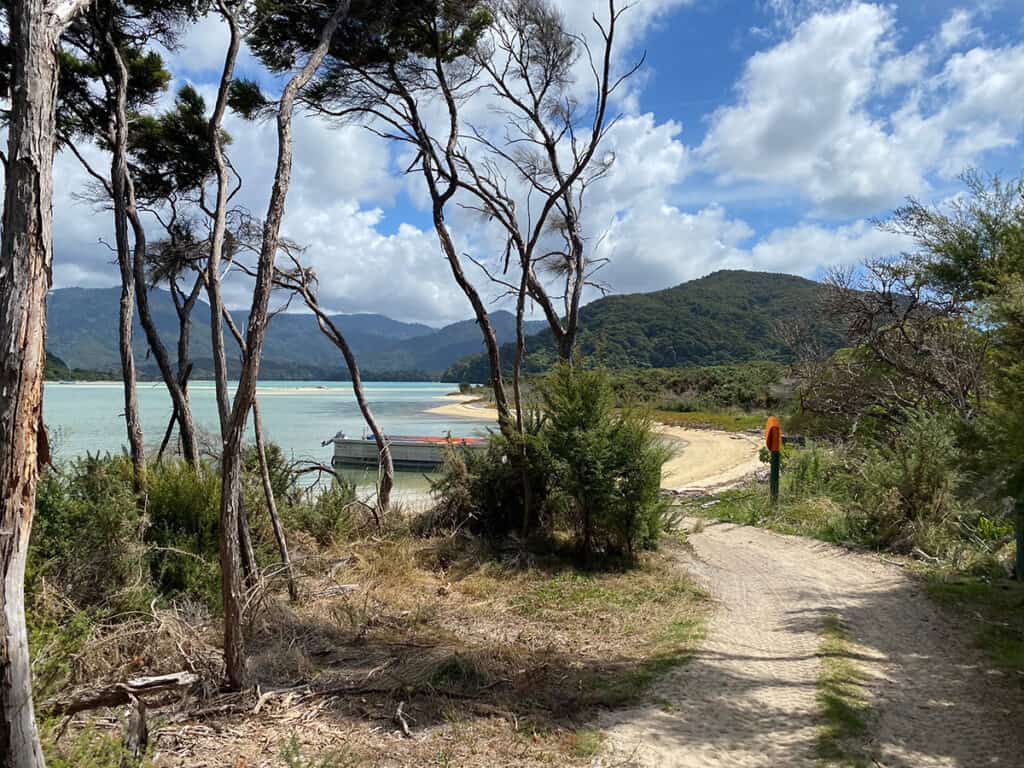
{"x": 748, "y": 698}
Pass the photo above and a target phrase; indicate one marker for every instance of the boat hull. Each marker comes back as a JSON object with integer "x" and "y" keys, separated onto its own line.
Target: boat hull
{"x": 421, "y": 454}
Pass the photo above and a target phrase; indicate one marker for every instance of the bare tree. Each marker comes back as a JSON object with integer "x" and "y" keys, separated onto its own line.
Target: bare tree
{"x": 532, "y": 177}
{"x": 26, "y": 257}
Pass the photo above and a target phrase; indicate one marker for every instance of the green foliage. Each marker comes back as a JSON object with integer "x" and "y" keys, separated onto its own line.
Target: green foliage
{"x": 745, "y": 386}
{"x": 87, "y": 534}
{"x": 171, "y": 151}
{"x": 590, "y": 468}
{"x": 606, "y": 466}
{"x": 85, "y": 748}
{"x": 905, "y": 488}
{"x": 726, "y": 317}
{"x": 184, "y": 511}
{"x": 327, "y": 517}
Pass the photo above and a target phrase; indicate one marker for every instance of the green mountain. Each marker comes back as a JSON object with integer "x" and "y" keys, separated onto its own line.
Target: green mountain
{"x": 726, "y": 317}
{"x": 82, "y": 331}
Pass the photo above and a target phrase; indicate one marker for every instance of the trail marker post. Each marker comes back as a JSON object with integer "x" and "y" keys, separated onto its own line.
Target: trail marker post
{"x": 773, "y": 441}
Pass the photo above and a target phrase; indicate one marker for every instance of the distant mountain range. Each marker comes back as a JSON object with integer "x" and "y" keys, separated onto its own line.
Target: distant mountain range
{"x": 729, "y": 316}
{"x": 82, "y": 333}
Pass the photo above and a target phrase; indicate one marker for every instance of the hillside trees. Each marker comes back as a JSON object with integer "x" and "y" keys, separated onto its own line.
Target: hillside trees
{"x": 33, "y": 31}
{"x": 939, "y": 330}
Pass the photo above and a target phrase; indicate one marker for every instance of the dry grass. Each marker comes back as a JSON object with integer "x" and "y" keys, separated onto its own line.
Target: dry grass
{"x": 496, "y": 660}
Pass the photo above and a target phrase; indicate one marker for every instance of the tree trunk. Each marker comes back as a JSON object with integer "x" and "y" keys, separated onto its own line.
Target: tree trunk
{"x": 387, "y": 467}
{"x": 26, "y": 254}
{"x": 268, "y": 489}
{"x": 482, "y": 319}
{"x": 268, "y": 492}
{"x": 231, "y": 458}
{"x": 175, "y": 388}
{"x": 517, "y": 392}
{"x": 219, "y": 226}
{"x": 126, "y": 312}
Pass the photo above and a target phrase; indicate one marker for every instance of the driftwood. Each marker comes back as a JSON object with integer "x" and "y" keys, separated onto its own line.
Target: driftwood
{"x": 119, "y": 693}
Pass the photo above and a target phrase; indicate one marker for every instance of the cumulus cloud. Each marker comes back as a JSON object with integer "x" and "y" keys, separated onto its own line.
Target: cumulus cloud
{"x": 811, "y": 114}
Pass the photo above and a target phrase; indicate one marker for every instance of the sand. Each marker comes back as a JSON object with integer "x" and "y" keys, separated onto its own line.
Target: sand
{"x": 708, "y": 460}
{"x": 466, "y": 407}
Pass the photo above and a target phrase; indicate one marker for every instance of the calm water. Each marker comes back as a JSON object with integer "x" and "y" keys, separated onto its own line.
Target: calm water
{"x": 298, "y": 416}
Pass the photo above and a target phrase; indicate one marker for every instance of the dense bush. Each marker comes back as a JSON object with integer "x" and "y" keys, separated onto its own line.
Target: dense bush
{"x": 905, "y": 488}
{"x": 748, "y": 386}
{"x": 327, "y": 517}
{"x": 184, "y": 516}
{"x": 900, "y": 487}
{"x": 590, "y": 470}
{"x": 497, "y": 482}
{"x": 87, "y": 534}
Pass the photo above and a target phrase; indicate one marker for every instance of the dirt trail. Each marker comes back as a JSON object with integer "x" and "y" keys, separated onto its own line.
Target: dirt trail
{"x": 748, "y": 698}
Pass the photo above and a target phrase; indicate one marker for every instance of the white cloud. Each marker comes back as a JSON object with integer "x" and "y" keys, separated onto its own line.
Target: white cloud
{"x": 838, "y": 114}
{"x": 802, "y": 121}
{"x": 958, "y": 29}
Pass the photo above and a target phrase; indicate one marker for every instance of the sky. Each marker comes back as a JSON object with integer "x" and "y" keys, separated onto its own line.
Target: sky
{"x": 767, "y": 135}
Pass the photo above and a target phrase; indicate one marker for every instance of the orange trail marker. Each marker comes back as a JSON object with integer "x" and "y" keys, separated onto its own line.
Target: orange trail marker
{"x": 773, "y": 440}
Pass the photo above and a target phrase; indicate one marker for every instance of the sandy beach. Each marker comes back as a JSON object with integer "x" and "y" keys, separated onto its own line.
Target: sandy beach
{"x": 465, "y": 407}
{"x": 707, "y": 460}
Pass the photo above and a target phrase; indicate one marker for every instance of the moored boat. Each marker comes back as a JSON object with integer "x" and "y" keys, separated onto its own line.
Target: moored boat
{"x": 407, "y": 451}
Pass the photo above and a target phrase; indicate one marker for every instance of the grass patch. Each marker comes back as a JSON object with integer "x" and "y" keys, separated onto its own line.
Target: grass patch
{"x": 727, "y": 421}
{"x": 816, "y": 517}
{"x": 584, "y": 742}
{"x": 671, "y": 649}
{"x": 995, "y": 609}
{"x": 843, "y": 703}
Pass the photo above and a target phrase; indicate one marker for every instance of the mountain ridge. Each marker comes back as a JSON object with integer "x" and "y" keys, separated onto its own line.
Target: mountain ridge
{"x": 728, "y": 316}
{"x": 82, "y": 333}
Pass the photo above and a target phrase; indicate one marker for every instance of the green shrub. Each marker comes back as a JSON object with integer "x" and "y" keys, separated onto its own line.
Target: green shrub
{"x": 87, "y": 537}
{"x": 184, "y": 511}
{"x": 486, "y": 494}
{"x": 905, "y": 488}
{"x": 327, "y": 517}
{"x": 606, "y": 465}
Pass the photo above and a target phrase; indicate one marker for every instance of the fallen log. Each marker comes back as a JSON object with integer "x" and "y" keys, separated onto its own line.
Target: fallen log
{"x": 119, "y": 693}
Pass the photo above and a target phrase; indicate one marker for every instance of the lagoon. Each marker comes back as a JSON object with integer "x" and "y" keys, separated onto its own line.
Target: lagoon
{"x": 299, "y": 416}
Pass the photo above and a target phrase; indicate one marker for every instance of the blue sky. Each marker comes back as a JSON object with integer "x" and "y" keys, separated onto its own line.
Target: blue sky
{"x": 760, "y": 135}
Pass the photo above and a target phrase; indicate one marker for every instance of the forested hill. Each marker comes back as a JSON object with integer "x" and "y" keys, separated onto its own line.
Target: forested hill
{"x": 82, "y": 331}
{"x": 728, "y": 316}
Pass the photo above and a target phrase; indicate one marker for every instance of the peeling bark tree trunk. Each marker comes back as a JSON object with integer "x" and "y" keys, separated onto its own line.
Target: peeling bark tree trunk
{"x": 26, "y": 254}
{"x": 231, "y": 458}
{"x": 126, "y": 310}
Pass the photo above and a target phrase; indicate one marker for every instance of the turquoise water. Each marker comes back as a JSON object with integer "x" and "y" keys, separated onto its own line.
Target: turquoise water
{"x": 298, "y": 416}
